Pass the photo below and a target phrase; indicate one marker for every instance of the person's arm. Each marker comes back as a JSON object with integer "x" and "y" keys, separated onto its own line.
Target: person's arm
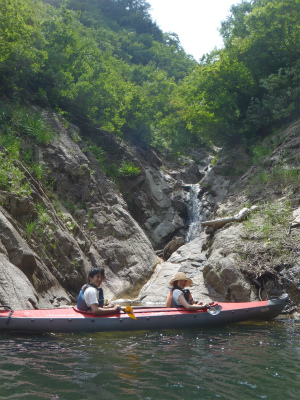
{"x": 100, "y": 311}
{"x": 169, "y": 299}
{"x": 190, "y": 307}
{"x": 109, "y": 305}
{"x": 191, "y": 300}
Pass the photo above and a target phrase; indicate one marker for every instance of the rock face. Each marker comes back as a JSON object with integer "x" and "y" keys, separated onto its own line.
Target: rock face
{"x": 231, "y": 263}
{"x": 156, "y": 198}
{"x": 214, "y": 271}
{"x": 84, "y": 224}
{"x": 25, "y": 281}
{"x": 222, "y": 268}
{"x": 189, "y": 258}
{"x": 107, "y": 233}
{"x": 77, "y": 218}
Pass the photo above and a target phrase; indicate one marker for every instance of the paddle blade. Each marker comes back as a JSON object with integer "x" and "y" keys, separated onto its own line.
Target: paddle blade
{"x": 129, "y": 312}
{"x": 215, "y": 310}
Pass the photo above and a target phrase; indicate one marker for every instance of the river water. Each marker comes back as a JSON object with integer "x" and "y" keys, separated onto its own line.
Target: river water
{"x": 241, "y": 361}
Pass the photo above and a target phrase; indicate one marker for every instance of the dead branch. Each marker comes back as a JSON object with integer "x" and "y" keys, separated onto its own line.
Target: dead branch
{"x": 294, "y": 224}
{"x": 218, "y": 223}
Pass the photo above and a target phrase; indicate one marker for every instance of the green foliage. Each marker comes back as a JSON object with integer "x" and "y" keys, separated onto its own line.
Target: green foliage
{"x": 12, "y": 178}
{"x": 112, "y": 171}
{"x": 259, "y": 152}
{"x": 252, "y": 83}
{"x": 91, "y": 224}
{"x": 4, "y": 178}
{"x": 273, "y": 217}
{"x": 281, "y": 178}
{"x": 215, "y": 159}
{"x": 32, "y": 123}
{"x": 30, "y": 228}
{"x": 15, "y": 124}
{"x": 21, "y": 45}
{"x": 285, "y": 177}
{"x": 280, "y": 99}
{"x": 98, "y": 153}
{"x": 26, "y": 121}
{"x": 38, "y": 171}
{"x": 106, "y": 63}
{"x": 40, "y": 225}
{"x": 109, "y": 65}
{"x": 128, "y": 170}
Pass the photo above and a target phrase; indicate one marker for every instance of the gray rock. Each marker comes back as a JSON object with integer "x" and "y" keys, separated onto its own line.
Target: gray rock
{"x": 172, "y": 246}
{"x": 222, "y": 271}
{"x": 190, "y": 259}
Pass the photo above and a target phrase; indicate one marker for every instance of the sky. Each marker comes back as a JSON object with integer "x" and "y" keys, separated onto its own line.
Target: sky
{"x": 196, "y": 22}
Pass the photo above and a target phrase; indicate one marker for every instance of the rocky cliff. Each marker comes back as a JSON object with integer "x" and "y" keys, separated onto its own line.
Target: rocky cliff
{"x": 258, "y": 257}
{"x": 77, "y": 218}
{"x": 80, "y": 222}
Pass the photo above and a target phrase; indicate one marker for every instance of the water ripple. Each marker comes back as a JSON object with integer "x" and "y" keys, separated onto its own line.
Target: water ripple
{"x": 245, "y": 361}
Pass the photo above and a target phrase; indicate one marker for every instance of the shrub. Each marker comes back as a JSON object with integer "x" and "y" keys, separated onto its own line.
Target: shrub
{"x": 33, "y": 124}
{"x": 129, "y": 170}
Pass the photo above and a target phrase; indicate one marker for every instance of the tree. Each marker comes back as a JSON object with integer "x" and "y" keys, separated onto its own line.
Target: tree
{"x": 21, "y": 45}
{"x": 251, "y": 83}
{"x": 264, "y": 36}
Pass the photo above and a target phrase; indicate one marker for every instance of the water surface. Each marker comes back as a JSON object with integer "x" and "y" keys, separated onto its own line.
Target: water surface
{"x": 242, "y": 361}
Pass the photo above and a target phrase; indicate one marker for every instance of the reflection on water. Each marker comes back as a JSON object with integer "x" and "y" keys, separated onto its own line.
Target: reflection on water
{"x": 245, "y": 361}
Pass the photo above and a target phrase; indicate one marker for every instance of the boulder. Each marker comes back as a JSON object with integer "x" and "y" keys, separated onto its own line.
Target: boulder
{"x": 221, "y": 271}
{"x": 172, "y": 246}
{"x": 189, "y": 258}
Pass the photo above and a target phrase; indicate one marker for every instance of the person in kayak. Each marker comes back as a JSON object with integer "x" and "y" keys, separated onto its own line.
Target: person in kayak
{"x": 181, "y": 297}
{"x": 91, "y": 295}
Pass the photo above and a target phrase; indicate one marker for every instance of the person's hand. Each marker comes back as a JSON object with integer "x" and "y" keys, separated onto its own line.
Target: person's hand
{"x": 117, "y": 307}
{"x": 111, "y": 305}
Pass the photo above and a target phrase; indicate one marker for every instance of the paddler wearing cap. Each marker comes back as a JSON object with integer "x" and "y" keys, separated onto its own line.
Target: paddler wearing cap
{"x": 181, "y": 297}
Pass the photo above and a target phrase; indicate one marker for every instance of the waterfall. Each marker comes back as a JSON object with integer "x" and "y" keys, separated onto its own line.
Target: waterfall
{"x": 194, "y": 213}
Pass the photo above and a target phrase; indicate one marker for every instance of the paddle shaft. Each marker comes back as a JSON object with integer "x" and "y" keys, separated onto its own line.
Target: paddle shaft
{"x": 213, "y": 310}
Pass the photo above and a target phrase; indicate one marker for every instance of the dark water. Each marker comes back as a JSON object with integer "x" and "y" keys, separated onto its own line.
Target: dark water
{"x": 242, "y": 361}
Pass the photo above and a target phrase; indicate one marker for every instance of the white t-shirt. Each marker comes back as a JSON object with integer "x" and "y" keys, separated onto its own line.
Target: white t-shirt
{"x": 91, "y": 296}
{"x": 176, "y": 294}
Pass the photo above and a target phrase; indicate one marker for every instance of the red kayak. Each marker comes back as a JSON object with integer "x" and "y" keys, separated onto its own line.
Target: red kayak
{"x": 137, "y": 318}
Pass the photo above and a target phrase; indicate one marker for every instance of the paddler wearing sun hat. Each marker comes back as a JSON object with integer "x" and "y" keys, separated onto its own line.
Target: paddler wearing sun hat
{"x": 181, "y": 297}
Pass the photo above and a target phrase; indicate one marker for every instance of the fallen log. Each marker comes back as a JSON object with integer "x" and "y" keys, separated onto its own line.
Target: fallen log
{"x": 215, "y": 224}
{"x": 292, "y": 225}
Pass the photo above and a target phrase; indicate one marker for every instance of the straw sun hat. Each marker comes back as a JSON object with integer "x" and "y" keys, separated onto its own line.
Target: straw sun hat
{"x": 181, "y": 276}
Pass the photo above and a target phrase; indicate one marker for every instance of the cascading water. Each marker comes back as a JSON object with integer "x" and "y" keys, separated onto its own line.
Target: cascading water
{"x": 194, "y": 213}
